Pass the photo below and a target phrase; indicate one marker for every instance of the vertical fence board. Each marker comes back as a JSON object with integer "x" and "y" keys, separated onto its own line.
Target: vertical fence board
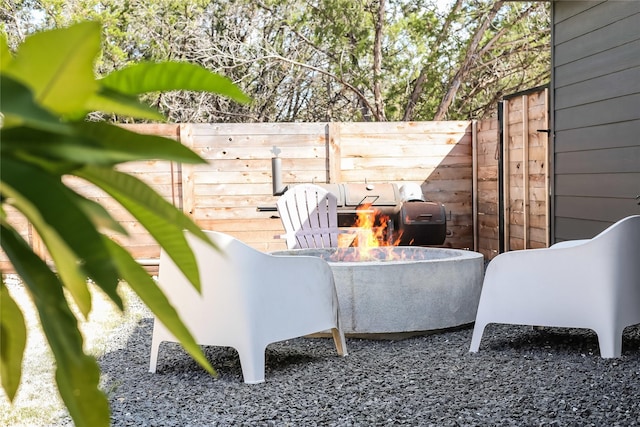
{"x": 334, "y": 154}
{"x": 487, "y": 141}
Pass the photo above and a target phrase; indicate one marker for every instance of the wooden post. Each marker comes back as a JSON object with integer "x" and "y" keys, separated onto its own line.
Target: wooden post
{"x": 506, "y": 171}
{"x": 334, "y": 168}
{"x": 187, "y": 173}
{"x": 474, "y": 184}
{"x": 546, "y": 170}
{"x": 525, "y": 170}
{"x": 176, "y": 184}
{"x": 37, "y": 245}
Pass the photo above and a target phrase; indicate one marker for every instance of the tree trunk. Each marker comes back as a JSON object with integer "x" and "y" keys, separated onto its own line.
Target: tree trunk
{"x": 377, "y": 62}
{"x": 420, "y": 81}
{"x": 470, "y": 56}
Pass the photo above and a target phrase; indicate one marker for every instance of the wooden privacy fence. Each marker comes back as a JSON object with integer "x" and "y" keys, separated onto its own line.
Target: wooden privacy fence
{"x": 455, "y": 162}
{"x": 226, "y": 193}
{"x": 513, "y": 175}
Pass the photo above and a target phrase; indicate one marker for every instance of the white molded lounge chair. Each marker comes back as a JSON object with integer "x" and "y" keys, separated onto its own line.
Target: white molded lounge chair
{"x": 249, "y": 299}
{"x": 592, "y": 283}
{"x": 309, "y": 216}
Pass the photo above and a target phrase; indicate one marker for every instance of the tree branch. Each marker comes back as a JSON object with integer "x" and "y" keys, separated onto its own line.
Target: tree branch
{"x": 422, "y": 77}
{"x": 377, "y": 62}
{"x": 470, "y": 56}
{"x": 363, "y": 99}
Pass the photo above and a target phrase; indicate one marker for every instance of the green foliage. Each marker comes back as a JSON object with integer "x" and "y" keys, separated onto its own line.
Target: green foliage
{"x": 47, "y": 89}
{"x": 12, "y": 341}
{"x": 314, "y": 61}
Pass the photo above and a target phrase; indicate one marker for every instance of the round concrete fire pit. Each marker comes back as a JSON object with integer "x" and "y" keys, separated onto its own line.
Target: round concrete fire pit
{"x": 419, "y": 290}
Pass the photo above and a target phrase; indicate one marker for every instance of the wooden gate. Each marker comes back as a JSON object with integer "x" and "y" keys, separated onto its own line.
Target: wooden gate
{"x": 523, "y": 183}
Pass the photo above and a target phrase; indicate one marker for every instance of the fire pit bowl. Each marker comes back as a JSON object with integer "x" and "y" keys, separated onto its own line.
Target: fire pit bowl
{"x": 419, "y": 290}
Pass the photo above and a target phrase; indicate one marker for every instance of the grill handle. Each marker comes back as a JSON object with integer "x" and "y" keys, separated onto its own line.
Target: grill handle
{"x": 365, "y": 200}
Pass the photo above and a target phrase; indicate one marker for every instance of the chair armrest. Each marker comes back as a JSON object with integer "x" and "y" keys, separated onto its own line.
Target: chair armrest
{"x": 569, "y": 243}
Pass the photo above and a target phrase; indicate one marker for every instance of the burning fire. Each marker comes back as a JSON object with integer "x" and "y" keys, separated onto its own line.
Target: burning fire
{"x": 375, "y": 228}
{"x": 372, "y": 231}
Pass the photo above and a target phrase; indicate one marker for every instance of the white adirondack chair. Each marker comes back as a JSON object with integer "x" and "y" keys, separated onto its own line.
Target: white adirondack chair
{"x": 249, "y": 299}
{"x": 309, "y": 216}
{"x": 592, "y": 283}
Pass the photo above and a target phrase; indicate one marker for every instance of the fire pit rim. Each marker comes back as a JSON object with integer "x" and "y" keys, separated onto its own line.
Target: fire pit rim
{"x": 453, "y": 255}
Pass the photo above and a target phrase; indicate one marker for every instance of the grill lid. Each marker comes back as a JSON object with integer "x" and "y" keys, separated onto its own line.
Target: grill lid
{"x": 376, "y": 194}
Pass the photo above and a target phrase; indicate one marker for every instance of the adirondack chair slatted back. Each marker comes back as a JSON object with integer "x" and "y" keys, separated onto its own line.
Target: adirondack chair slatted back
{"x": 310, "y": 217}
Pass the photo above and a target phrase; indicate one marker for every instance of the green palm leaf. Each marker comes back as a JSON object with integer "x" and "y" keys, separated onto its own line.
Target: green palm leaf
{"x": 99, "y": 216}
{"x": 163, "y": 221}
{"x": 94, "y": 143}
{"x": 65, "y": 260}
{"x": 77, "y": 374}
{"x": 58, "y": 66}
{"x": 23, "y": 111}
{"x": 166, "y": 76}
{"x": 46, "y": 90}
{"x": 152, "y": 296}
{"x": 13, "y": 339}
{"x": 5, "y": 53}
{"x": 111, "y": 102}
{"x": 54, "y": 211}
{"x": 121, "y": 144}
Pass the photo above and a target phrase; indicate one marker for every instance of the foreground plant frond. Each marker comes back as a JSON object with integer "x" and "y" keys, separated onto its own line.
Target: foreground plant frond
{"x": 47, "y": 89}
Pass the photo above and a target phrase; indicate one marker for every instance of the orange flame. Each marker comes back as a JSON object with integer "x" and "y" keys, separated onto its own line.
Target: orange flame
{"x": 374, "y": 230}
{"x": 372, "y": 227}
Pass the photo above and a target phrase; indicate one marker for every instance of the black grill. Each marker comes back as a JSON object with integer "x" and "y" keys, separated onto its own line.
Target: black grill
{"x": 416, "y": 221}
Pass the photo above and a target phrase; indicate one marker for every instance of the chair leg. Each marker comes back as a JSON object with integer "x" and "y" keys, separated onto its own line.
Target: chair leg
{"x": 339, "y": 341}
{"x": 478, "y": 330}
{"x": 610, "y": 343}
{"x": 252, "y": 361}
{"x": 155, "y": 346}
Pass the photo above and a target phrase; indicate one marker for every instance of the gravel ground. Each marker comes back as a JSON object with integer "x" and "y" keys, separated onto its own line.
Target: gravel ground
{"x": 520, "y": 377}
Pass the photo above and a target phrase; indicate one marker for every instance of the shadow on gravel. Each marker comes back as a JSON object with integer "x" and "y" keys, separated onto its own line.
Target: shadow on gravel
{"x": 558, "y": 340}
{"x": 174, "y": 360}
